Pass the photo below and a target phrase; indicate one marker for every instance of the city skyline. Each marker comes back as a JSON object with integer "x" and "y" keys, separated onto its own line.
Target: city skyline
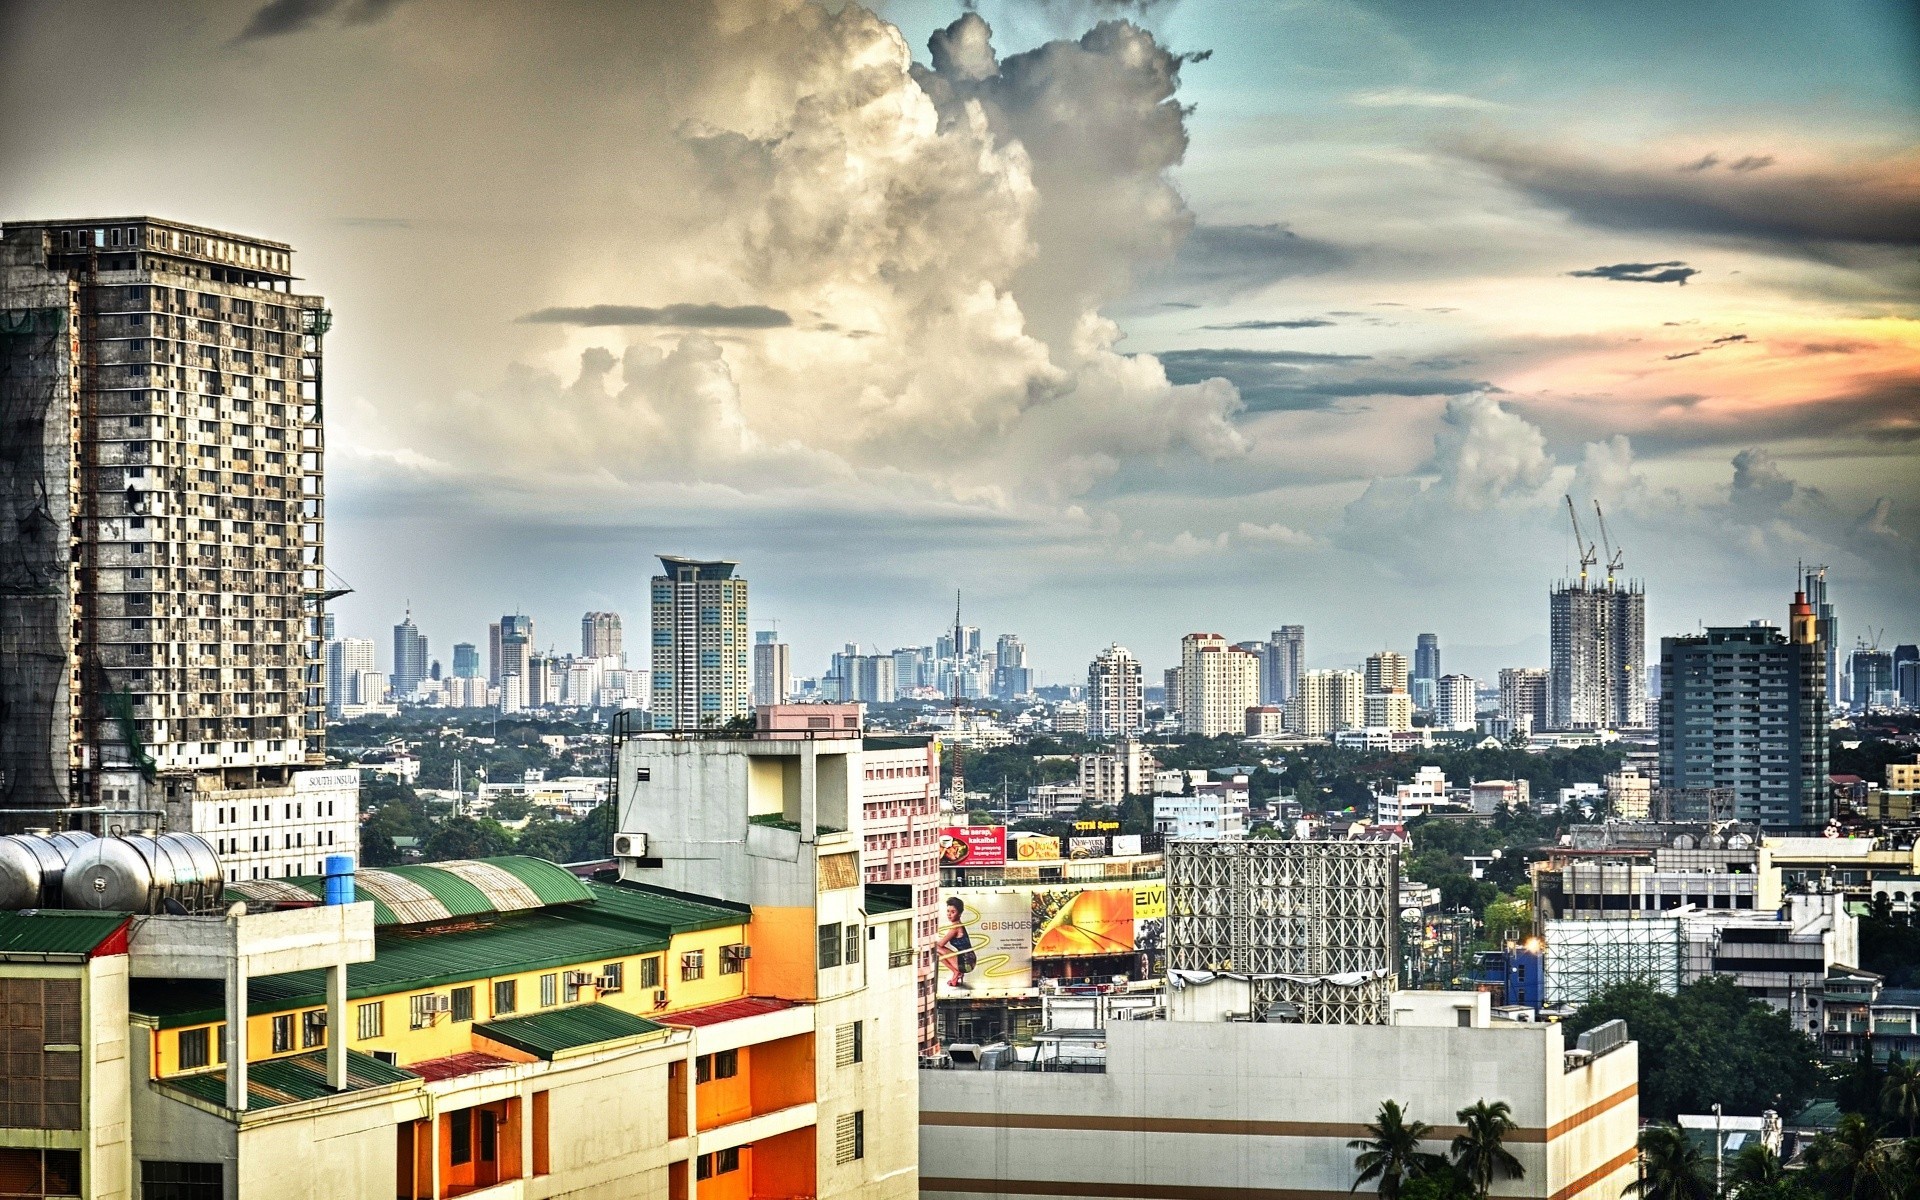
{"x": 1365, "y": 331}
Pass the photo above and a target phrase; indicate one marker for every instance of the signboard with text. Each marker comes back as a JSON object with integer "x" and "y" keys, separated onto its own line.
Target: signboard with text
{"x": 973, "y": 846}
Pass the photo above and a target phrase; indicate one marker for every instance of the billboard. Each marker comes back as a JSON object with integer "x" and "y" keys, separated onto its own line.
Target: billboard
{"x": 1124, "y": 844}
{"x": 1120, "y": 918}
{"x": 984, "y": 945}
{"x": 1086, "y": 847}
{"x": 1036, "y": 846}
{"x": 973, "y": 846}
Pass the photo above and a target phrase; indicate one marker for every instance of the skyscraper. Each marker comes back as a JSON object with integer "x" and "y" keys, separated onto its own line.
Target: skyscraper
{"x": 701, "y": 673}
{"x": 1387, "y": 704}
{"x": 409, "y": 657}
{"x": 1386, "y": 671}
{"x": 1426, "y": 657}
{"x": 162, "y": 569}
{"x": 1826, "y": 623}
{"x": 1326, "y": 702}
{"x": 347, "y": 660}
{"x": 772, "y": 668}
{"x": 1455, "y": 702}
{"x": 1011, "y": 675}
{"x": 1283, "y": 664}
{"x": 1598, "y": 655}
{"x": 1523, "y": 697}
{"x": 600, "y": 636}
{"x": 1870, "y": 674}
{"x": 1218, "y": 684}
{"x": 1743, "y": 709}
{"x": 466, "y": 661}
{"x": 1116, "y": 697}
{"x": 512, "y": 647}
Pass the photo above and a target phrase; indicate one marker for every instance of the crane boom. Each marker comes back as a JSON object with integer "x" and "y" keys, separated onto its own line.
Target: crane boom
{"x": 1615, "y": 555}
{"x": 1580, "y": 543}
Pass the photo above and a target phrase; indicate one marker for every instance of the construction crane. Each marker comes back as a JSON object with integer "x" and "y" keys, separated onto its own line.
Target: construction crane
{"x": 1581, "y": 544}
{"x": 1615, "y": 555}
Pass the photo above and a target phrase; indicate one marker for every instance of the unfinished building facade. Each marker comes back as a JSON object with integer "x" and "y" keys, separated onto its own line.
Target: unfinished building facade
{"x": 162, "y": 553}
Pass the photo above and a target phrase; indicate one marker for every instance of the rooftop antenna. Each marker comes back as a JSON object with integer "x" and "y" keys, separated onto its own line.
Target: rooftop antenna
{"x": 1581, "y": 544}
{"x": 1615, "y": 555}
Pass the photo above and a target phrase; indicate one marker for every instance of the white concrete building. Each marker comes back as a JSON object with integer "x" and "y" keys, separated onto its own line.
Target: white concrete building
{"x": 1326, "y": 702}
{"x": 1209, "y": 812}
{"x": 275, "y": 832}
{"x": 1111, "y": 777}
{"x": 1455, "y": 702}
{"x": 1629, "y": 795}
{"x": 1116, "y": 694}
{"x": 1218, "y": 684}
{"x": 1426, "y": 792}
{"x": 1392, "y": 711}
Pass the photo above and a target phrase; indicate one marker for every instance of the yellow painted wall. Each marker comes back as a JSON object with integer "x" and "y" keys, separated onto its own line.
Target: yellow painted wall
{"x": 445, "y": 1036}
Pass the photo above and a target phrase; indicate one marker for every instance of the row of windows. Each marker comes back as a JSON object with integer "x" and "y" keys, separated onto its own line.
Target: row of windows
{"x": 839, "y": 945}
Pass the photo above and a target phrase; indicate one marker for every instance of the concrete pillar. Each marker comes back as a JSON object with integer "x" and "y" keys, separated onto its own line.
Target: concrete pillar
{"x": 236, "y": 1032}
{"x": 337, "y": 1027}
{"x": 809, "y": 792}
{"x": 691, "y": 1166}
{"x": 524, "y": 1106}
{"x": 433, "y": 1153}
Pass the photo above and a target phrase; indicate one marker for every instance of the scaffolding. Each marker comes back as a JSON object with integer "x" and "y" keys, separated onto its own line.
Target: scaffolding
{"x": 1311, "y": 923}
{"x": 1585, "y": 956}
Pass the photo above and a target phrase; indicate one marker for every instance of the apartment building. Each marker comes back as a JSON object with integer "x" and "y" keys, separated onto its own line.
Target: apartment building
{"x": 702, "y": 674}
{"x": 1326, "y": 702}
{"x": 1218, "y": 684}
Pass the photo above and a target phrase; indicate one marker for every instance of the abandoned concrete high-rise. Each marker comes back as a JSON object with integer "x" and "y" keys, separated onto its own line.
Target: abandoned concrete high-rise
{"x": 162, "y": 556}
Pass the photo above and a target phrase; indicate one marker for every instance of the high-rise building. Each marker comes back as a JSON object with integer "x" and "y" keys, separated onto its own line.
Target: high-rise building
{"x": 1523, "y": 698}
{"x": 1218, "y": 682}
{"x": 772, "y": 668}
{"x": 1598, "y": 649}
{"x": 1426, "y": 657}
{"x": 1743, "y": 709}
{"x": 347, "y": 660}
{"x": 1870, "y": 678}
{"x": 1455, "y": 702}
{"x": 1386, "y": 671}
{"x": 1116, "y": 697}
{"x": 409, "y": 657}
{"x": 600, "y": 636}
{"x": 466, "y": 661}
{"x": 702, "y": 675}
{"x": 1327, "y": 702}
{"x": 163, "y": 560}
{"x": 1387, "y": 704}
{"x": 1283, "y": 664}
{"x": 511, "y": 647}
{"x": 1011, "y": 675}
{"x": 1826, "y": 622}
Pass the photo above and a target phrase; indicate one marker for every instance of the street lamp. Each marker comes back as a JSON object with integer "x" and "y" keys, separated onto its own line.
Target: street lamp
{"x": 1719, "y": 1146}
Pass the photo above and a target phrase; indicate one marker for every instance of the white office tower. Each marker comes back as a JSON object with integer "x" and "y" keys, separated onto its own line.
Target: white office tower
{"x": 346, "y": 659}
{"x": 773, "y": 670}
{"x": 1284, "y": 663}
{"x": 1327, "y": 702}
{"x": 1218, "y": 684}
{"x": 702, "y": 677}
{"x": 1455, "y": 702}
{"x": 1116, "y": 696}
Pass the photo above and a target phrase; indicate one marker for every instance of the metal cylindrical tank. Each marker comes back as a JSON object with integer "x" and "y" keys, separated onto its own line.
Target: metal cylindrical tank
{"x": 32, "y": 864}
{"x": 339, "y": 886}
{"x": 141, "y": 873}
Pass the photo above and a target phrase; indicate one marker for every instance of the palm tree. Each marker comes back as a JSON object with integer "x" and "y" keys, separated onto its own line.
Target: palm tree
{"x": 1755, "y": 1165}
{"x": 1392, "y": 1155}
{"x": 1900, "y": 1094}
{"x": 1479, "y": 1152}
{"x": 1671, "y": 1167}
{"x": 1852, "y": 1161}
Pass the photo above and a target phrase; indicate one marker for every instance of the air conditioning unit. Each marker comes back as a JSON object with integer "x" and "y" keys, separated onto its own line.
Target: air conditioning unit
{"x": 580, "y": 978}
{"x": 605, "y": 983}
{"x": 659, "y": 997}
{"x": 436, "y": 1004}
{"x": 629, "y": 845}
{"x": 736, "y": 953}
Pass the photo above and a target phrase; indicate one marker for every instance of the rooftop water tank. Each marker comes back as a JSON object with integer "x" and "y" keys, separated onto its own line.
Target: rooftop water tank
{"x": 32, "y": 864}
{"x": 142, "y": 872}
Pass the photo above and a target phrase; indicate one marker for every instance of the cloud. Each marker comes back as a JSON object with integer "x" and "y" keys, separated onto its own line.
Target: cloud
{"x": 1874, "y": 201}
{"x": 1299, "y": 323}
{"x": 1218, "y": 262}
{"x": 1416, "y": 98}
{"x": 1275, "y": 534}
{"x": 692, "y": 316}
{"x": 1294, "y": 380}
{"x": 1759, "y": 485}
{"x": 280, "y": 17}
{"x": 1664, "y": 272}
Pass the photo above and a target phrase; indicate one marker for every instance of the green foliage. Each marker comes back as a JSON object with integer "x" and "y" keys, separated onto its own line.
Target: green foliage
{"x": 1890, "y": 948}
{"x": 1479, "y": 1152}
{"x": 1391, "y": 1153}
{"x": 510, "y": 808}
{"x": 1671, "y": 1167}
{"x": 464, "y": 837}
{"x": 1709, "y": 1044}
{"x": 1853, "y": 1162}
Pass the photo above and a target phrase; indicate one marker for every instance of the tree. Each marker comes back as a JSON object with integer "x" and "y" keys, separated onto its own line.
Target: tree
{"x": 1392, "y": 1154}
{"x": 1671, "y": 1167}
{"x": 1900, "y": 1094}
{"x": 1709, "y": 1043}
{"x": 1755, "y": 1166}
{"x": 464, "y": 837}
{"x": 1480, "y": 1152}
{"x": 1851, "y": 1163}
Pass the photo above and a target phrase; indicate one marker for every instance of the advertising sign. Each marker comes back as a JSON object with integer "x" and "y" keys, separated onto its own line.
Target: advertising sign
{"x": 1032, "y": 846}
{"x": 1103, "y": 919}
{"x": 1124, "y": 843}
{"x": 1086, "y": 847}
{"x": 985, "y": 943}
{"x": 973, "y": 846}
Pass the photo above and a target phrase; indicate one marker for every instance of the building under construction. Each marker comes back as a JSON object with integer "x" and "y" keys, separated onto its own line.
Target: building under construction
{"x": 1313, "y": 925}
{"x": 1597, "y": 674}
{"x": 162, "y": 551}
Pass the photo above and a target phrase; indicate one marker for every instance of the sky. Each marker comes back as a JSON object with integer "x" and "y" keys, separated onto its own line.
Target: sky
{"x": 1125, "y": 320}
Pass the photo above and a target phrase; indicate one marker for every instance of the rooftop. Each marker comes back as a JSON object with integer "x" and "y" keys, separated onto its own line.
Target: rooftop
{"x": 548, "y": 1034}
{"x": 728, "y": 1010}
{"x": 412, "y": 895}
{"x": 52, "y": 934}
{"x": 279, "y": 1081}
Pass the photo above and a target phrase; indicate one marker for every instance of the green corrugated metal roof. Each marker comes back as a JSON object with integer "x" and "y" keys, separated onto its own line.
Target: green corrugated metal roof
{"x": 422, "y": 892}
{"x": 290, "y": 1080}
{"x": 673, "y": 912}
{"x": 549, "y": 1033}
{"x": 45, "y": 931}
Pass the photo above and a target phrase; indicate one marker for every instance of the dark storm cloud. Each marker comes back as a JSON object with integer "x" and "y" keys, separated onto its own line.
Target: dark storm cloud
{"x": 1867, "y": 204}
{"x": 1661, "y": 272}
{"x": 685, "y": 316}
{"x": 279, "y": 17}
{"x": 1291, "y": 380}
{"x": 1300, "y": 323}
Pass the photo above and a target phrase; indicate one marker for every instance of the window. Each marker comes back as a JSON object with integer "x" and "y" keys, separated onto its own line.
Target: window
{"x": 461, "y": 1135}
{"x": 549, "y": 990}
{"x": 425, "y": 1007}
{"x": 829, "y": 946}
{"x": 173, "y": 1180}
{"x": 853, "y": 944}
{"x": 722, "y": 1065}
{"x": 283, "y": 1033}
{"x": 850, "y": 1137}
{"x": 463, "y": 1004}
{"x": 693, "y": 965}
{"x": 506, "y": 996}
{"x": 570, "y": 987}
{"x": 313, "y": 1028}
{"x": 193, "y": 1048}
{"x": 732, "y": 958}
{"x": 900, "y": 944}
{"x": 650, "y": 972}
{"x": 613, "y": 977}
{"x": 850, "y": 1044}
{"x": 720, "y": 1162}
